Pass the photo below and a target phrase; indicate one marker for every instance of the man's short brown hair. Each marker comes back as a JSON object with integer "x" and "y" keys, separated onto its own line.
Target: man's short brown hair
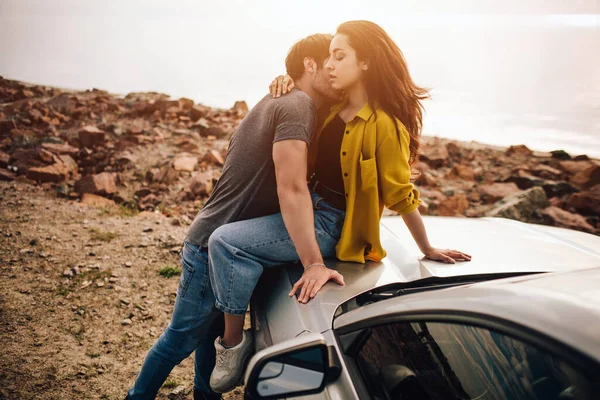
{"x": 314, "y": 46}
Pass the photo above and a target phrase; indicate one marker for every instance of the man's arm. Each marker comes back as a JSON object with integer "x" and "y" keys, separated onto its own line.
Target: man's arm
{"x": 290, "y": 158}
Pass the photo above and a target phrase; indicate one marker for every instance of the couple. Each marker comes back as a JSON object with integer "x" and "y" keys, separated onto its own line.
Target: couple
{"x": 262, "y": 213}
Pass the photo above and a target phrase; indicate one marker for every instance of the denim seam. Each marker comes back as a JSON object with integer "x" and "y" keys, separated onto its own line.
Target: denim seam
{"x": 186, "y": 281}
{"x": 229, "y": 310}
{"x": 231, "y": 274}
{"x": 266, "y": 244}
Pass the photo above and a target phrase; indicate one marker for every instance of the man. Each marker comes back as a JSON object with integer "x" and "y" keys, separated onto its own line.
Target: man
{"x": 264, "y": 173}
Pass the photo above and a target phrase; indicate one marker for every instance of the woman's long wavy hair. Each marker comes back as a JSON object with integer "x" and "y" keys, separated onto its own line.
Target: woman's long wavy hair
{"x": 387, "y": 81}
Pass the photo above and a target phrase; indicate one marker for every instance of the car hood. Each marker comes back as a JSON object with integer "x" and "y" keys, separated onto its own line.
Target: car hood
{"x": 497, "y": 246}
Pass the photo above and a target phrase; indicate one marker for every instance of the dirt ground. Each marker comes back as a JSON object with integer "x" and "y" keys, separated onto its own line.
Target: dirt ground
{"x": 81, "y": 297}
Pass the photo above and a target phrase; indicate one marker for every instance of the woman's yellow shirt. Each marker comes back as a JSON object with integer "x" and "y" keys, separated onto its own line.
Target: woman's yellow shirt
{"x": 376, "y": 173}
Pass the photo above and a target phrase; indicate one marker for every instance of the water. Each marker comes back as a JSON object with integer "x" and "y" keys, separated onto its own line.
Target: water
{"x": 500, "y": 74}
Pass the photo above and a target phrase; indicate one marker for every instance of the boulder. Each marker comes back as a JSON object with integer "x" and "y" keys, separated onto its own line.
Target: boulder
{"x": 435, "y": 156}
{"x": 497, "y": 191}
{"x": 93, "y": 200}
{"x": 185, "y": 163}
{"x": 520, "y": 206}
{"x": 520, "y": 150}
{"x": 201, "y": 184}
{"x": 91, "y": 136}
{"x": 454, "y": 205}
{"x": 558, "y": 217}
{"x": 587, "y": 202}
{"x": 101, "y": 184}
{"x": 587, "y": 178}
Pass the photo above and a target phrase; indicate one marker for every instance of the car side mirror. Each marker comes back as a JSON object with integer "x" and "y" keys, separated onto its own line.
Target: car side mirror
{"x": 296, "y": 367}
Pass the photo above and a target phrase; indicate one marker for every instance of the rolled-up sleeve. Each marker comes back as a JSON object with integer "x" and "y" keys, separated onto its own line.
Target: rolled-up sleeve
{"x": 393, "y": 170}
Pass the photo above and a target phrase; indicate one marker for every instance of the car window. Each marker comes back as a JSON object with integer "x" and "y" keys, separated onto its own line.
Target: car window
{"x": 433, "y": 360}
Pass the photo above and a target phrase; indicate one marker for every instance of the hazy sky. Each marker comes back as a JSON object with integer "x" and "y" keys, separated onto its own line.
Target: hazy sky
{"x": 537, "y": 57}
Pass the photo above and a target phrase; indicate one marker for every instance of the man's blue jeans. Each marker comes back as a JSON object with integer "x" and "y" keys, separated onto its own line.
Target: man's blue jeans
{"x": 238, "y": 252}
{"x": 194, "y": 326}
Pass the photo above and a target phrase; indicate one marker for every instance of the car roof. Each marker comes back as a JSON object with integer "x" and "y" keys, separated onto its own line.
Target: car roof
{"x": 564, "y": 306}
{"x": 497, "y": 245}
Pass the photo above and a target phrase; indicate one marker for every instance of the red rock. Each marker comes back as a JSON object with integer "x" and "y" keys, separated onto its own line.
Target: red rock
{"x": 474, "y": 197}
{"x": 201, "y": 184}
{"x": 426, "y": 179}
{"x": 453, "y": 206}
{"x": 6, "y": 126}
{"x": 166, "y": 175}
{"x": 45, "y": 155}
{"x": 69, "y": 163}
{"x": 423, "y": 207}
{"x": 6, "y": 175}
{"x": 587, "y": 178}
{"x": 420, "y": 166}
{"x": 93, "y": 200}
{"x": 4, "y": 159}
{"x": 435, "y": 156}
{"x": 216, "y": 156}
{"x": 574, "y": 167}
{"x": 59, "y": 148}
{"x": 185, "y": 163}
{"x": 199, "y": 111}
{"x": 557, "y": 202}
{"x": 186, "y": 104}
{"x": 547, "y": 172}
{"x": 149, "y": 202}
{"x": 559, "y": 217}
{"x": 518, "y": 150}
{"x": 91, "y": 136}
{"x": 587, "y": 202}
{"x": 497, "y": 191}
{"x": 102, "y": 184}
{"x": 460, "y": 171}
{"x": 241, "y": 107}
{"x": 50, "y": 173}
{"x": 432, "y": 196}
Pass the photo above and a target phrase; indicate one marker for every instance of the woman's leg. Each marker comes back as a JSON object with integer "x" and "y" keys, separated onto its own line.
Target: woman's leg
{"x": 193, "y": 317}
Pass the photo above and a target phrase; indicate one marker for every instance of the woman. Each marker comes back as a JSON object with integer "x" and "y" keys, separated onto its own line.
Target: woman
{"x": 361, "y": 158}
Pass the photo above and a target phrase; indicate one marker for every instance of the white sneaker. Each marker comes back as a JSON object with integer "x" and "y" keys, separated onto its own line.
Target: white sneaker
{"x": 229, "y": 368}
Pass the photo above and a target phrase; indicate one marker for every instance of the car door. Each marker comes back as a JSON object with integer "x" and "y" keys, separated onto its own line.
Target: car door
{"x": 445, "y": 357}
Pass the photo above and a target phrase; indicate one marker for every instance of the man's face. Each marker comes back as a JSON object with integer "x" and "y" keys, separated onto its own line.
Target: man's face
{"x": 322, "y": 84}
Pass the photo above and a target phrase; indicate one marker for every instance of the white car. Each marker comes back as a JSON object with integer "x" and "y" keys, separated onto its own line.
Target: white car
{"x": 520, "y": 321}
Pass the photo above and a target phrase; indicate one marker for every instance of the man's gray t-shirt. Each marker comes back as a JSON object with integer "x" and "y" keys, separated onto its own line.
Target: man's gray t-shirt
{"x": 247, "y": 187}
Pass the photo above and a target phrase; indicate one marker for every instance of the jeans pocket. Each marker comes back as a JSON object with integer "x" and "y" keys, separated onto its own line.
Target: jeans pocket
{"x": 187, "y": 274}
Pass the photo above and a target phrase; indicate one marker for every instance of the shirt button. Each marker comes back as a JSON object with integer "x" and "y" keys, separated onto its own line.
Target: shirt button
{"x": 346, "y": 194}
{"x": 346, "y": 174}
{"x": 343, "y": 153}
{"x": 347, "y": 132}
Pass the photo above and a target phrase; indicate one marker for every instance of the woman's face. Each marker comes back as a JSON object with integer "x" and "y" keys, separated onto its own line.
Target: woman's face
{"x": 344, "y": 68}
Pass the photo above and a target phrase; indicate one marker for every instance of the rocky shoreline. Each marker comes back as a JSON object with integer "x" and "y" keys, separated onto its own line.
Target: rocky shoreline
{"x": 147, "y": 152}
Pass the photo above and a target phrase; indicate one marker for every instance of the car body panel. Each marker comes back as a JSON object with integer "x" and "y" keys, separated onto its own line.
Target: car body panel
{"x": 563, "y": 306}
{"x": 497, "y": 246}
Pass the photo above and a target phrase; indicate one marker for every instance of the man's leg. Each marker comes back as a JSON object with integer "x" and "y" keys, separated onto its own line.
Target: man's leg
{"x": 204, "y": 360}
{"x": 194, "y": 315}
{"x": 238, "y": 252}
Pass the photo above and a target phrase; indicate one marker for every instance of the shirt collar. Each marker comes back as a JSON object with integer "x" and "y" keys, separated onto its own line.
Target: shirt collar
{"x": 365, "y": 112}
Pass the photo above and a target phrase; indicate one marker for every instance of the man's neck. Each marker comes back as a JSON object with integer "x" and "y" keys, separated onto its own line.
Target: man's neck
{"x": 306, "y": 87}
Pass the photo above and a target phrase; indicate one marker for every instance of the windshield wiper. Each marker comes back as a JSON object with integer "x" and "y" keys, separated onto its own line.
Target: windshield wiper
{"x": 431, "y": 283}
